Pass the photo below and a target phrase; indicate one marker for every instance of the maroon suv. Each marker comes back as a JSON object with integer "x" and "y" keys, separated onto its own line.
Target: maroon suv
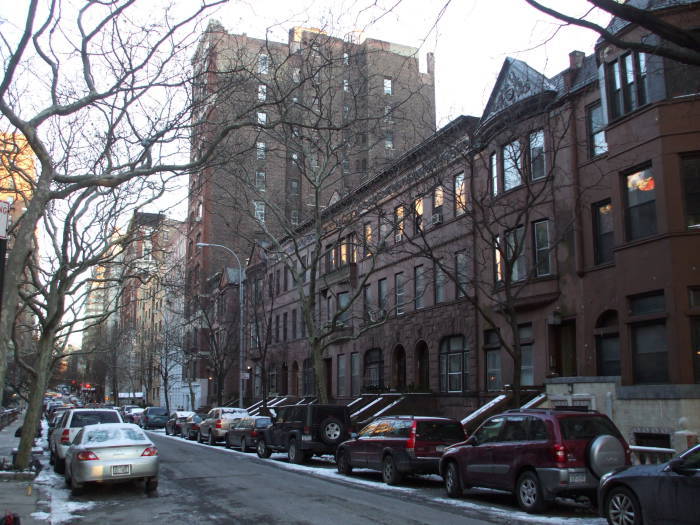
{"x": 538, "y": 455}
{"x": 399, "y": 445}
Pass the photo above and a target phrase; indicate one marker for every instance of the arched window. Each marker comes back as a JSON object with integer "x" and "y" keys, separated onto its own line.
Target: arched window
{"x": 453, "y": 364}
{"x": 374, "y": 369}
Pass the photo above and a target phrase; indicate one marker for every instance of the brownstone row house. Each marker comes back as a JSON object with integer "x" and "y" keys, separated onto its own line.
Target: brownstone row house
{"x": 558, "y": 236}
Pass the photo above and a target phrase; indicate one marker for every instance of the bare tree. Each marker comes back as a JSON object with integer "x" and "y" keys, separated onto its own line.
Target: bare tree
{"x": 665, "y": 38}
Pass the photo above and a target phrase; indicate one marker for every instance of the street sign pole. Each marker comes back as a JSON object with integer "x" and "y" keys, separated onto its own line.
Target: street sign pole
{"x": 4, "y": 215}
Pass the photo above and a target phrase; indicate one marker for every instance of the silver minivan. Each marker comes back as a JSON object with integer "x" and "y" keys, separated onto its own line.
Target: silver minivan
{"x": 218, "y": 422}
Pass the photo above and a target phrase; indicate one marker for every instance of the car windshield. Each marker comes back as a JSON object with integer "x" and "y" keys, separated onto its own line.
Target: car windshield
{"x": 113, "y": 436}
{"x": 157, "y": 411}
{"x": 586, "y": 427}
{"x": 81, "y": 419}
{"x": 440, "y": 431}
{"x": 263, "y": 422}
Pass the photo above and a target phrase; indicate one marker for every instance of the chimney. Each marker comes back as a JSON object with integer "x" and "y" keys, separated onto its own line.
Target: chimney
{"x": 576, "y": 59}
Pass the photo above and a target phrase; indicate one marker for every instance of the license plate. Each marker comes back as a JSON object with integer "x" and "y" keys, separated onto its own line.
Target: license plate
{"x": 440, "y": 448}
{"x": 577, "y": 477}
{"x": 306, "y": 437}
{"x": 121, "y": 470}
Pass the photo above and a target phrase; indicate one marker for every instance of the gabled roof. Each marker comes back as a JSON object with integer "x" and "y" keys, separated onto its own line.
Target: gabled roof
{"x": 517, "y": 81}
{"x": 617, "y": 24}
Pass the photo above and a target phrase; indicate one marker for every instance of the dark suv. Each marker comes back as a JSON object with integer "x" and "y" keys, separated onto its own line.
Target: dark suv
{"x": 154, "y": 417}
{"x": 399, "y": 445}
{"x": 537, "y": 454}
{"x": 305, "y": 430}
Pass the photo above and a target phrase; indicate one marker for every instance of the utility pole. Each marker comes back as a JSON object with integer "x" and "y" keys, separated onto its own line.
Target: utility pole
{"x": 4, "y": 215}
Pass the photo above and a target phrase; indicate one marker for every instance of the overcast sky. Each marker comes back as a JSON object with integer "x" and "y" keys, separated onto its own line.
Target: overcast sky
{"x": 470, "y": 40}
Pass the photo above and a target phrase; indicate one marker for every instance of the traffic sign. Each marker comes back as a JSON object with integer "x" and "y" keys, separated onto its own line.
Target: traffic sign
{"x": 4, "y": 215}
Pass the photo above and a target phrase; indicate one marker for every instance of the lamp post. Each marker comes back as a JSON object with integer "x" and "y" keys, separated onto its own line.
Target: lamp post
{"x": 241, "y": 278}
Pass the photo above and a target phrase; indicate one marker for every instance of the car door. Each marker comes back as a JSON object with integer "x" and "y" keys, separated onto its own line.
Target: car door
{"x": 676, "y": 491}
{"x": 375, "y": 443}
{"x": 506, "y": 451}
{"x": 205, "y": 426}
{"x": 358, "y": 447}
{"x": 477, "y": 459}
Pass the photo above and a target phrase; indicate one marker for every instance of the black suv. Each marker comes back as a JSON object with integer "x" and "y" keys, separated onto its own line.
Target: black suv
{"x": 305, "y": 430}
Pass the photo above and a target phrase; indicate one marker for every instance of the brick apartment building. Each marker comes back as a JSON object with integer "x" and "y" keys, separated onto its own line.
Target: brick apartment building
{"x": 311, "y": 119}
{"x": 561, "y": 227}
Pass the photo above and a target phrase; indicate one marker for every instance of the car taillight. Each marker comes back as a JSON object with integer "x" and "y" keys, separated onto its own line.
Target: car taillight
{"x": 217, "y": 423}
{"x": 87, "y": 455}
{"x": 195, "y": 426}
{"x": 559, "y": 451}
{"x": 65, "y": 437}
{"x": 411, "y": 443}
{"x": 307, "y": 430}
{"x": 150, "y": 451}
{"x": 253, "y": 433}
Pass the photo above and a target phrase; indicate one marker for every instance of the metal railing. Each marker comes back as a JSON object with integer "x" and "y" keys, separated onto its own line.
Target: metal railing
{"x": 650, "y": 455}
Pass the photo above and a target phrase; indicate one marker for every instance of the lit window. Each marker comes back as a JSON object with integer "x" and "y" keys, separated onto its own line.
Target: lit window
{"x": 262, "y": 118}
{"x": 460, "y": 195}
{"x": 641, "y": 204}
{"x": 399, "y": 223}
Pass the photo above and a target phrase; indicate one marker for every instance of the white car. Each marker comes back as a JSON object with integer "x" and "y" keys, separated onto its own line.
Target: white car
{"x": 111, "y": 453}
{"x": 68, "y": 427}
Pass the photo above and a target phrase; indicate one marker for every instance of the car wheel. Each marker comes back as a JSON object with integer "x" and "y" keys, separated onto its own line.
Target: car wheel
{"x": 59, "y": 465}
{"x": 295, "y": 454}
{"x": 199, "y": 437}
{"x": 622, "y": 507}
{"x": 390, "y": 474}
{"x": 262, "y": 450}
{"x": 528, "y": 491}
{"x": 151, "y": 484}
{"x": 244, "y": 445}
{"x": 453, "y": 483}
{"x": 211, "y": 439}
{"x": 343, "y": 463}
{"x": 331, "y": 431}
{"x": 227, "y": 441}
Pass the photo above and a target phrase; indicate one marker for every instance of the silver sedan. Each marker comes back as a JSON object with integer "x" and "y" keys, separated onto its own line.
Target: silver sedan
{"x": 111, "y": 453}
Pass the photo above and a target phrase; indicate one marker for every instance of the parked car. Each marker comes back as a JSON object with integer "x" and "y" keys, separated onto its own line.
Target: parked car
{"x": 189, "y": 429}
{"x": 400, "y": 445}
{"x": 246, "y": 432}
{"x": 126, "y": 410}
{"x": 134, "y": 415}
{"x": 173, "y": 425}
{"x": 218, "y": 421}
{"x": 305, "y": 430}
{"x": 54, "y": 419}
{"x": 538, "y": 455}
{"x": 68, "y": 427}
{"x": 110, "y": 453}
{"x": 153, "y": 417}
{"x": 666, "y": 493}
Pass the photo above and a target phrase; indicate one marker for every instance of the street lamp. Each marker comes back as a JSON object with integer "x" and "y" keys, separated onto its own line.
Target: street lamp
{"x": 241, "y": 278}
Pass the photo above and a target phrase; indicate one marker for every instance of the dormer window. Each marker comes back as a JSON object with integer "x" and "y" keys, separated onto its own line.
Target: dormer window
{"x": 626, "y": 79}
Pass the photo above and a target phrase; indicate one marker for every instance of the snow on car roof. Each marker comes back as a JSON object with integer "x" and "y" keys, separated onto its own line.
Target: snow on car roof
{"x": 183, "y": 413}
{"x": 113, "y": 435}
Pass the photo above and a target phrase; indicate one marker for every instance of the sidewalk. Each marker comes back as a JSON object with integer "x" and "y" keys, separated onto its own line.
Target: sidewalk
{"x": 18, "y": 493}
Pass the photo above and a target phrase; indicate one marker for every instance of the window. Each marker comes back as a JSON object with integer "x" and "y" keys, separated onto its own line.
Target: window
{"x": 418, "y": 287}
{"x": 492, "y": 354}
{"x": 462, "y": 273}
{"x": 354, "y": 374}
{"x": 368, "y": 238}
{"x": 262, "y": 92}
{"x": 344, "y": 303}
{"x": 418, "y": 210}
{"x": 293, "y": 186}
{"x": 498, "y": 264}
{"x": 284, "y": 326}
{"x": 493, "y": 168}
{"x": 695, "y": 342}
{"x": 649, "y": 345}
{"x": 440, "y": 284}
{"x": 294, "y": 324}
{"x": 367, "y": 303}
{"x": 262, "y": 118}
{"x": 527, "y": 375}
{"x": 309, "y": 382}
{"x": 374, "y": 369}
{"x": 277, "y": 329}
{"x": 387, "y": 113}
{"x": 260, "y": 182}
{"x": 690, "y": 171}
{"x": 537, "y": 166}
{"x": 626, "y": 80}
{"x": 603, "y": 231}
{"x": 346, "y": 58}
{"x": 453, "y": 364}
{"x": 438, "y": 200}
{"x": 342, "y": 376}
{"x": 259, "y": 211}
{"x": 388, "y": 87}
{"x": 399, "y": 223}
{"x": 296, "y": 74}
{"x": 597, "y": 145}
{"x": 382, "y": 294}
{"x": 460, "y": 195}
{"x": 263, "y": 64}
{"x": 511, "y": 166}
{"x": 260, "y": 150}
{"x": 399, "y": 293}
{"x": 389, "y": 140}
{"x": 543, "y": 250}
{"x": 641, "y": 204}
{"x": 515, "y": 253}
{"x": 294, "y": 217}
{"x": 346, "y": 85}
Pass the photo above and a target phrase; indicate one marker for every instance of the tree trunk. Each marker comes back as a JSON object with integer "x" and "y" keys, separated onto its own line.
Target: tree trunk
{"x": 319, "y": 372}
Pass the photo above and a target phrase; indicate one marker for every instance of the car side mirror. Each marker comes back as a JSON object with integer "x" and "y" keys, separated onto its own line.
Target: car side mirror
{"x": 354, "y": 435}
{"x": 472, "y": 441}
{"x": 676, "y": 465}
